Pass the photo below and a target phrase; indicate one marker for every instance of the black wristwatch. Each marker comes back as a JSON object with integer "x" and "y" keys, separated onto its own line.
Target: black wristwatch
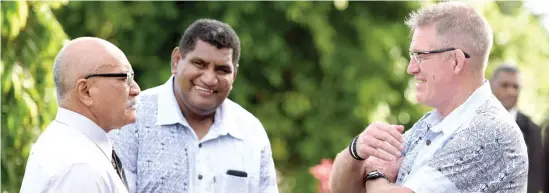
{"x": 374, "y": 175}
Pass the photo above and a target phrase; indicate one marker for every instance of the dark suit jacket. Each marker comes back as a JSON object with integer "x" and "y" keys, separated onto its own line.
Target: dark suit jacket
{"x": 546, "y": 155}
{"x": 532, "y": 136}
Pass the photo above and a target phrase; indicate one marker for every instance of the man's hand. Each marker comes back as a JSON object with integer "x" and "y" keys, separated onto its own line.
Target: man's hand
{"x": 389, "y": 168}
{"x": 381, "y": 140}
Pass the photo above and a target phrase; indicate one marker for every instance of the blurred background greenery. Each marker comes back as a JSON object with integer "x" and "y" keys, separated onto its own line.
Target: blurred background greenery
{"x": 315, "y": 73}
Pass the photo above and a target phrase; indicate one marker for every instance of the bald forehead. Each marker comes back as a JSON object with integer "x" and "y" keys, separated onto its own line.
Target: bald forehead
{"x": 90, "y": 54}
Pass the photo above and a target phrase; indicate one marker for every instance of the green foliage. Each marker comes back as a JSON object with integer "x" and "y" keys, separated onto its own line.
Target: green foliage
{"x": 31, "y": 37}
{"x": 520, "y": 39}
{"x": 314, "y": 73}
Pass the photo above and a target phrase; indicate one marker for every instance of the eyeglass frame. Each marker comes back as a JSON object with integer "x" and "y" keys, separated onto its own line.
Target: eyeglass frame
{"x": 129, "y": 76}
{"x": 415, "y": 55}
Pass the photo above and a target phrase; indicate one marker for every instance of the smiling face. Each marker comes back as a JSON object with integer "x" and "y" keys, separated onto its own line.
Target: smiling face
{"x": 203, "y": 77}
{"x": 434, "y": 72}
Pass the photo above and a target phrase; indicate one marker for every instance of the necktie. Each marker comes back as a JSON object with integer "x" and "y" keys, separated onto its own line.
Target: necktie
{"x": 119, "y": 169}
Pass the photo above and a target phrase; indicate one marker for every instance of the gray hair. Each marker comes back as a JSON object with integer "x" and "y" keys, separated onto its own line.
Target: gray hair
{"x": 60, "y": 78}
{"x": 504, "y": 68}
{"x": 457, "y": 25}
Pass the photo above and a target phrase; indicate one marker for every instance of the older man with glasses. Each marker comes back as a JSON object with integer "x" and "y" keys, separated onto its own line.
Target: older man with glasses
{"x": 96, "y": 93}
{"x": 468, "y": 143}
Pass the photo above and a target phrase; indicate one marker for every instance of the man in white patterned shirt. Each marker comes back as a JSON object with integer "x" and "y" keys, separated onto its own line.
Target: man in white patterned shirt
{"x": 188, "y": 136}
{"x": 468, "y": 143}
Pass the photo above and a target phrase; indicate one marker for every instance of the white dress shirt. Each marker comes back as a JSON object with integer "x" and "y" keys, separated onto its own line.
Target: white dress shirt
{"x": 72, "y": 155}
{"x": 513, "y": 112}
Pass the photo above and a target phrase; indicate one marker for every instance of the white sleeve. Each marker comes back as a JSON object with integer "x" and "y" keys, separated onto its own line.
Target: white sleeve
{"x": 77, "y": 178}
{"x": 428, "y": 180}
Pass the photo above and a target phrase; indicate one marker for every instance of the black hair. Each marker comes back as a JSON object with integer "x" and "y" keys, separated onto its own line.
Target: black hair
{"x": 504, "y": 68}
{"x": 214, "y": 32}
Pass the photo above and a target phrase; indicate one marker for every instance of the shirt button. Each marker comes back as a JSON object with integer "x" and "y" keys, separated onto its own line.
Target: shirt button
{"x": 200, "y": 177}
{"x": 199, "y": 145}
{"x": 428, "y": 142}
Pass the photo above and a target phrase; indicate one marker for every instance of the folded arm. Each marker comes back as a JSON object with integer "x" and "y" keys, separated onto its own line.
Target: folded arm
{"x": 346, "y": 175}
{"x": 383, "y": 185}
{"x": 379, "y": 140}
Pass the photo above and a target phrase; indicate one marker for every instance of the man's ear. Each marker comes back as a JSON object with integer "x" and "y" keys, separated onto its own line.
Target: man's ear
{"x": 176, "y": 56}
{"x": 235, "y": 72}
{"x": 459, "y": 61}
{"x": 83, "y": 92}
{"x": 234, "y": 76}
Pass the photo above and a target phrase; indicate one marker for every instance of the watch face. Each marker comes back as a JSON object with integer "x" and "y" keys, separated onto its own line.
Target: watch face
{"x": 374, "y": 172}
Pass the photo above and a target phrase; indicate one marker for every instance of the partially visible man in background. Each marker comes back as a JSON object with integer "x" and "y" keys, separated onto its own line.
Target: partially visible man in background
{"x": 96, "y": 93}
{"x": 506, "y": 86}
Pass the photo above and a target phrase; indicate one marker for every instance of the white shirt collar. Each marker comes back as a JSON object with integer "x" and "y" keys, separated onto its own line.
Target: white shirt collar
{"x": 168, "y": 108}
{"x": 88, "y": 127}
{"x": 170, "y": 113}
{"x": 513, "y": 111}
{"x": 450, "y": 122}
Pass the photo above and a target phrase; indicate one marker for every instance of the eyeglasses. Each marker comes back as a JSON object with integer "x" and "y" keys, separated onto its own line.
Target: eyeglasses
{"x": 128, "y": 76}
{"x": 415, "y": 55}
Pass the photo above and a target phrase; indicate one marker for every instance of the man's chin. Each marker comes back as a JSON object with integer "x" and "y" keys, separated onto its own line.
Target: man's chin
{"x": 131, "y": 117}
{"x": 205, "y": 108}
{"x": 419, "y": 98}
{"x": 509, "y": 105}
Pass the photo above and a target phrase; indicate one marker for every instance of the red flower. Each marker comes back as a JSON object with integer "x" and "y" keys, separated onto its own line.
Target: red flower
{"x": 322, "y": 173}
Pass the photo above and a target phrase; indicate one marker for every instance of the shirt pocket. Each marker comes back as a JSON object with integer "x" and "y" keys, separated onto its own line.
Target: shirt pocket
{"x": 226, "y": 183}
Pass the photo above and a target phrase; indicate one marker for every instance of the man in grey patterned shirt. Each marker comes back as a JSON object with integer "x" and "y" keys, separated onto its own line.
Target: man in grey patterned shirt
{"x": 188, "y": 136}
{"x": 468, "y": 143}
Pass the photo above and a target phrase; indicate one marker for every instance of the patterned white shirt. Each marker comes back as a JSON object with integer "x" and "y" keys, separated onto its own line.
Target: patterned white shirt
{"x": 161, "y": 153}
{"x": 476, "y": 148}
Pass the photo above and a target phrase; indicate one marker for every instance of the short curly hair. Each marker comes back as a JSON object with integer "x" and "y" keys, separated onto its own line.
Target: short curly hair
{"x": 214, "y": 32}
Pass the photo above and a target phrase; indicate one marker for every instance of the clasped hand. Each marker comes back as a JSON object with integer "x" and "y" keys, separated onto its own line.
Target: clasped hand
{"x": 381, "y": 145}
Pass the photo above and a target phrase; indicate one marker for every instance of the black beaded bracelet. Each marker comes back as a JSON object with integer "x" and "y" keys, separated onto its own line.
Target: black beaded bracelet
{"x": 352, "y": 149}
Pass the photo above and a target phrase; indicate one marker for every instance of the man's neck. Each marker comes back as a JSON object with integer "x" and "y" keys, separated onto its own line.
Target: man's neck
{"x": 200, "y": 123}
{"x": 82, "y": 110}
{"x": 191, "y": 116}
{"x": 463, "y": 92}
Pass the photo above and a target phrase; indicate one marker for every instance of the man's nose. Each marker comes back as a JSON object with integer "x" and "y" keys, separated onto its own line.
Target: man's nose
{"x": 134, "y": 89}
{"x": 511, "y": 89}
{"x": 412, "y": 67}
{"x": 209, "y": 78}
